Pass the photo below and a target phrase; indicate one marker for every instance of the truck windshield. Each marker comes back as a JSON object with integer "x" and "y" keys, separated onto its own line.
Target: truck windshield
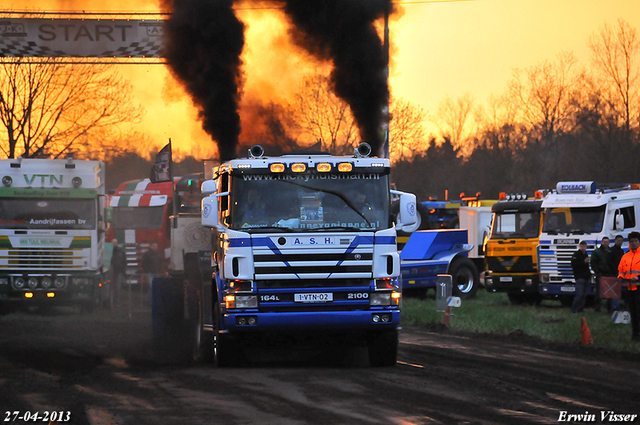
{"x": 577, "y": 221}
{"x": 516, "y": 225}
{"x": 138, "y": 217}
{"x": 310, "y": 202}
{"x": 43, "y": 213}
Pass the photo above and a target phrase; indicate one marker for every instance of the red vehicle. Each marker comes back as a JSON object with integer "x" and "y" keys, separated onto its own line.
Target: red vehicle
{"x": 141, "y": 214}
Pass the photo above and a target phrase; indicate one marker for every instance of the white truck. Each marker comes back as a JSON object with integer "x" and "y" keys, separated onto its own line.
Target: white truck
{"x": 52, "y": 232}
{"x": 579, "y": 211}
{"x": 303, "y": 243}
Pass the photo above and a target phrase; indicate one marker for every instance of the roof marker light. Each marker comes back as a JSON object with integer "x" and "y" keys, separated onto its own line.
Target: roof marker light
{"x": 345, "y": 167}
{"x": 323, "y": 167}
{"x": 298, "y": 167}
{"x": 276, "y": 168}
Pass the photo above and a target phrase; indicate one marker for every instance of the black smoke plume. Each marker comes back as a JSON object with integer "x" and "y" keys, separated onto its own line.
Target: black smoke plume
{"x": 202, "y": 44}
{"x": 343, "y": 31}
{"x": 204, "y": 40}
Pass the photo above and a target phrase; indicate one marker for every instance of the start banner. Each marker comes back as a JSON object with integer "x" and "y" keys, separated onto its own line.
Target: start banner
{"x": 80, "y": 38}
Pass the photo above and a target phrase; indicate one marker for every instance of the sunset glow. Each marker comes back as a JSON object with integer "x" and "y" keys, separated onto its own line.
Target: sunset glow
{"x": 450, "y": 48}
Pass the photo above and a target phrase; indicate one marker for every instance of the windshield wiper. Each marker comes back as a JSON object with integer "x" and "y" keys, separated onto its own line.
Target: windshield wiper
{"x": 252, "y": 229}
{"x": 350, "y": 228}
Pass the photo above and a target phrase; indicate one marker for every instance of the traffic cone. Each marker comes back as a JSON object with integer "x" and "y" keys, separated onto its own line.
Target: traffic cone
{"x": 586, "y": 334}
{"x": 447, "y": 316}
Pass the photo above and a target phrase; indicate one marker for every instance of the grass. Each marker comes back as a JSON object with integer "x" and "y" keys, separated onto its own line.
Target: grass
{"x": 494, "y": 314}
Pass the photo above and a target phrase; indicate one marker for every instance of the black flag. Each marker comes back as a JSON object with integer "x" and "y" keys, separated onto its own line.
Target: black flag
{"x": 161, "y": 169}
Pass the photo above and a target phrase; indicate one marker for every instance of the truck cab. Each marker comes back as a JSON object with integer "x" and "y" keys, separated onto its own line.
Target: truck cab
{"x": 511, "y": 250}
{"x": 52, "y": 232}
{"x": 581, "y": 211}
{"x": 304, "y": 242}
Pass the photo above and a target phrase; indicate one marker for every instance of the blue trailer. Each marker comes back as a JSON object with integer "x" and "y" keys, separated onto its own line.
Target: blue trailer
{"x": 428, "y": 253}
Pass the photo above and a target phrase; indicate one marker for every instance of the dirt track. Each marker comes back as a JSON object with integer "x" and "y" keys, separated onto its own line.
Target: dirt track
{"x": 103, "y": 370}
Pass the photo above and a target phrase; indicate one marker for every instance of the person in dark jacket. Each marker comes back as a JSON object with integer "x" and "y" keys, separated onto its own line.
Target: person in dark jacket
{"x": 582, "y": 275}
{"x": 152, "y": 263}
{"x": 616, "y": 255}
{"x": 601, "y": 262}
{"x": 118, "y": 270}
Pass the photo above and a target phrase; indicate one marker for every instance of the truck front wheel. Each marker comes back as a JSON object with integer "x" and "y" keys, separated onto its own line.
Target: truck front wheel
{"x": 227, "y": 351}
{"x": 383, "y": 348}
{"x": 465, "y": 276}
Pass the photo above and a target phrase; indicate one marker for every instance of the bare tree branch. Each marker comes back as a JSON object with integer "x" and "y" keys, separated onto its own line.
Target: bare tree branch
{"x": 48, "y": 109}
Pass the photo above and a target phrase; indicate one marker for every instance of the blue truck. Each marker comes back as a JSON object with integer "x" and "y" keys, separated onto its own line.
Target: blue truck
{"x": 302, "y": 243}
{"x": 450, "y": 241}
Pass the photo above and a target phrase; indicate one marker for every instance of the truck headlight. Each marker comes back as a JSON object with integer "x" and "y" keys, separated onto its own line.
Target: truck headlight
{"x": 4, "y": 280}
{"x": 59, "y": 283}
{"x": 379, "y": 299}
{"x": 241, "y": 301}
{"x": 46, "y": 282}
{"x": 544, "y": 277}
{"x": 19, "y": 283}
{"x": 32, "y": 283}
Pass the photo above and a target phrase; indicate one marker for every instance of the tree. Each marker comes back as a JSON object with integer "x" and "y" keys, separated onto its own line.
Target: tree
{"x": 545, "y": 94}
{"x": 614, "y": 52}
{"x": 406, "y": 132}
{"x": 51, "y": 109}
{"x": 324, "y": 116}
{"x": 454, "y": 120}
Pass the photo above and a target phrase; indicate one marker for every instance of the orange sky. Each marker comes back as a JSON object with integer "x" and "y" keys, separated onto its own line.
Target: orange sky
{"x": 442, "y": 48}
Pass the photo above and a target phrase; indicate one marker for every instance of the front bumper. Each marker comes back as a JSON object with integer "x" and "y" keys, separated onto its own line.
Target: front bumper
{"x": 514, "y": 284}
{"x": 325, "y": 320}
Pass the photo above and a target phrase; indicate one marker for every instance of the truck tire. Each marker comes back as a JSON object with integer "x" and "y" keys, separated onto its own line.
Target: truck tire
{"x": 383, "y": 348}
{"x": 465, "y": 277}
{"x": 227, "y": 352}
{"x": 200, "y": 341}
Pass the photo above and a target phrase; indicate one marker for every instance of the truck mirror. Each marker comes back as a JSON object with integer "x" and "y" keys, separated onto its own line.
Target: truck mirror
{"x": 208, "y": 187}
{"x": 407, "y": 213}
{"x": 209, "y": 210}
{"x": 619, "y": 221}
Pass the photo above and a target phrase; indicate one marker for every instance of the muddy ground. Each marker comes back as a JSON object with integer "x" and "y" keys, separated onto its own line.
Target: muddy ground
{"x": 102, "y": 369}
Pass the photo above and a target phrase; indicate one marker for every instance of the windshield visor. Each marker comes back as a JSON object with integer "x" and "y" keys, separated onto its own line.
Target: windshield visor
{"x": 28, "y": 213}
{"x": 575, "y": 221}
{"x": 516, "y": 225}
{"x": 308, "y": 202}
{"x": 138, "y": 217}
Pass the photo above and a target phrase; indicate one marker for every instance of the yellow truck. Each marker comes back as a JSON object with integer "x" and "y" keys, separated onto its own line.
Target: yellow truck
{"x": 511, "y": 250}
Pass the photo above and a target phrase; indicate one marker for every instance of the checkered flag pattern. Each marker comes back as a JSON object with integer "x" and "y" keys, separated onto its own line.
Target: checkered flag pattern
{"x": 19, "y": 47}
{"x": 145, "y": 49}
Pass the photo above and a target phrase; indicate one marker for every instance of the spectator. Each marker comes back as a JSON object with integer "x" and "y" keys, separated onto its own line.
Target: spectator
{"x": 601, "y": 261}
{"x": 616, "y": 255}
{"x": 629, "y": 271}
{"x": 118, "y": 270}
{"x": 152, "y": 263}
{"x": 582, "y": 275}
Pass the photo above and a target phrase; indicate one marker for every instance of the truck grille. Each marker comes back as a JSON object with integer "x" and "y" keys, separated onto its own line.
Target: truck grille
{"x": 43, "y": 258}
{"x": 313, "y": 265}
{"x": 523, "y": 264}
{"x": 555, "y": 260}
{"x": 311, "y": 283}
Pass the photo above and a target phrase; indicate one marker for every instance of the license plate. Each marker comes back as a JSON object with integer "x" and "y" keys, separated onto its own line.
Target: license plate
{"x": 567, "y": 289}
{"x": 506, "y": 279}
{"x": 567, "y": 241}
{"x": 313, "y": 298}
